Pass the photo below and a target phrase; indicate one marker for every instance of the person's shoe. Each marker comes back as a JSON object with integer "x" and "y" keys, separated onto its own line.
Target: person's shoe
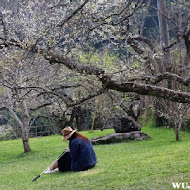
{"x": 56, "y": 169}
{"x": 49, "y": 171}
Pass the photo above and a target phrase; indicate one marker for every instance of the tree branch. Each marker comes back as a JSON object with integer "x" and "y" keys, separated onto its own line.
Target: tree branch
{"x": 144, "y": 89}
{"x": 85, "y": 98}
{"x": 135, "y": 46}
{"x": 41, "y": 106}
{"x": 139, "y": 88}
{"x": 145, "y": 40}
{"x": 73, "y": 13}
{"x": 57, "y": 57}
{"x": 3, "y": 108}
{"x": 163, "y": 76}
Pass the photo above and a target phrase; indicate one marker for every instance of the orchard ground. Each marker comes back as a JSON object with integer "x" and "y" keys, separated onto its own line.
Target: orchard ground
{"x": 152, "y": 164}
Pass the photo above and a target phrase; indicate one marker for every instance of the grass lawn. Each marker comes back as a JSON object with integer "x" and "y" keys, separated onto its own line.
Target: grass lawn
{"x": 139, "y": 165}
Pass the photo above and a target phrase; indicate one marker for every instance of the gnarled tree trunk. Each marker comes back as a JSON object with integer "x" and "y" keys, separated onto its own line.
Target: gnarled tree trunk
{"x": 120, "y": 137}
{"x": 23, "y": 121}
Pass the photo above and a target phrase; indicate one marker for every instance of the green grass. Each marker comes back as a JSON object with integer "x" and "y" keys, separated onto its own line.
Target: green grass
{"x": 139, "y": 165}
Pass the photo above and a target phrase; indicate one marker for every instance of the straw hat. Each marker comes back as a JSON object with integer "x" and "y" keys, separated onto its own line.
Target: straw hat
{"x": 67, "y": 132}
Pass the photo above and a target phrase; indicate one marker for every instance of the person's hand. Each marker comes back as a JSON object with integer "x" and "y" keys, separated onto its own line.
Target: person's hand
{"x": 67, "y": 150}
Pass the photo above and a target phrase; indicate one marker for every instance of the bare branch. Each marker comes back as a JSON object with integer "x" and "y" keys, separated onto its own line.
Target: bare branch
{"x": 66, "y": 86}
{"x": 145, "y": 40}
{"x": 41, "y": 106}
{"x": 73, "y": 13}
{"x": 85, "y": 98}
{"x": 3, "y": 108}
{"x": 135, "y": 46}
{"x": 58, "y": 5}
{"x": 163, "y": 76}
{"x": 57, "y": 57}
{"x": 124, "y": 14}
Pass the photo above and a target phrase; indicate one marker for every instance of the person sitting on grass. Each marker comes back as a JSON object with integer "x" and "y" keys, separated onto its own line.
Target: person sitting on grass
{"x": 80, "y": 155}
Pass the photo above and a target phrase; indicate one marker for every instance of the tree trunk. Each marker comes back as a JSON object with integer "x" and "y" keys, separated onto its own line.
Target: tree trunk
{"x": 177, "y": 128}
{"x": 23, "y": 121}
{"x": 25, "y": 138}
{"x": 164, "y": 36}
{"x": 26, "y": 145}
{"x": 79, "y": 118}
{"x": 177, "y": 133}
{"x": 25, "y": 131}
{"x": 120, "y": 137}
{"x": 163, "y": 28}
{"x": 166, "y": 60}
{"x": 26, "y": 127}
{"x": 94, "y": 115}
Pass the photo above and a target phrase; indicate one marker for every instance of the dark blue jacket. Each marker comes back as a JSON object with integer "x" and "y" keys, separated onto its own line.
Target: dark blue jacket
{"x": 82, "y": 155}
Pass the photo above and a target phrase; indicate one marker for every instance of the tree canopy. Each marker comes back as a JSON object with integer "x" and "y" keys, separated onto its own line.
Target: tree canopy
{"x": 47, "y": 50}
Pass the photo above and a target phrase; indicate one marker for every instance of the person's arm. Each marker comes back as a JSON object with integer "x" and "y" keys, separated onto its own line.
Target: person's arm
{"x": 74, "y": 149}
